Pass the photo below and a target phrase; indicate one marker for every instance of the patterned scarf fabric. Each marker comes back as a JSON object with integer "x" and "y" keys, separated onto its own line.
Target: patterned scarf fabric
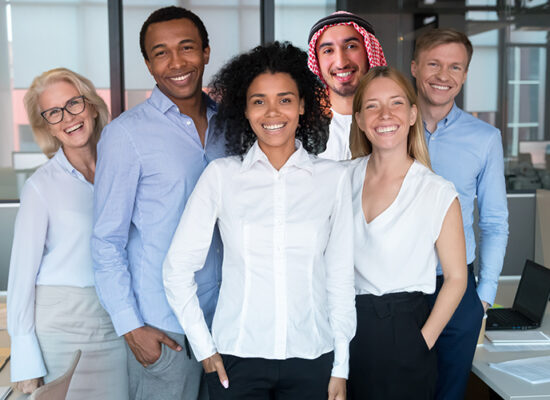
{"x": 375, "y": 54}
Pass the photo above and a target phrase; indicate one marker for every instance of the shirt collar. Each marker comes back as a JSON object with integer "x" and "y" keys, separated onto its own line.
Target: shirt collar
{"x": 160, "y": 101}
{"x": 64, "y": 162}
{"x": 61, "y": 158}
{"x": 447, "y": 120}
{"x": 299, "y": 159}
{"x": 452, "y": 116}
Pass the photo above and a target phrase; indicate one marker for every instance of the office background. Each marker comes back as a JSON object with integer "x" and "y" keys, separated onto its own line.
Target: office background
{"x": 508, "y": 82}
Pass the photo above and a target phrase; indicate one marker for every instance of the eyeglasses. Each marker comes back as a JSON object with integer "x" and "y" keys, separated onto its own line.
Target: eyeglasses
{"x": 74, "y": 106}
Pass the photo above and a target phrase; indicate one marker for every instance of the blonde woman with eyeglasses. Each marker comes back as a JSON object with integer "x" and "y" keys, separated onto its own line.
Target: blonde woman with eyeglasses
{"x": 53, "y": 308}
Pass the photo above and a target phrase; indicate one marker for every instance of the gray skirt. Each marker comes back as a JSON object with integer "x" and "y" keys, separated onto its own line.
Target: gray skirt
{"x": 70, "y": 318}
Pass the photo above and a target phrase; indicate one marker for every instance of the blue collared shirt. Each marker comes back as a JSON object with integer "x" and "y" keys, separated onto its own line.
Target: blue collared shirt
{"x": 468, "y": 152}
{"x": 149, "y": 160}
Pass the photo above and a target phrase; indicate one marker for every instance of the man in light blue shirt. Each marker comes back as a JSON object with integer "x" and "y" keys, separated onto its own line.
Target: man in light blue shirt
{"x": 149, "y": 160}
{"x": 467, "y": 152}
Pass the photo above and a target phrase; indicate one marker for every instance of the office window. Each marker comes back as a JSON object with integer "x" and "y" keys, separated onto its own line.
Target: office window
{"x": 294, "y": 19}
{"x": 526, "y": 133}
{"x": 481, "y": 87}
{"x": 507, "y": 87}
{"x": 35, "y": 37}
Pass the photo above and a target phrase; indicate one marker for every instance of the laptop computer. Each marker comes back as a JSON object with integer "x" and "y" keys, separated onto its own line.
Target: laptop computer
{"x": 529, "y": 303}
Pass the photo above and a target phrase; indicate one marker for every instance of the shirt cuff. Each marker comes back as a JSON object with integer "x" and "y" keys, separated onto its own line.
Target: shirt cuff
{"x": 340, "y": 368}
{"x": 126, "y": 320}
{"x": 201, "y": 341}
{"x": 26, "y": 360}
{"x": 487, "y": 291}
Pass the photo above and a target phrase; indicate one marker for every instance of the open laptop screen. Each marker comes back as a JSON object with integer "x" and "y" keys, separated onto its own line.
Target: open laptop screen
{"x": 533, "y": 291}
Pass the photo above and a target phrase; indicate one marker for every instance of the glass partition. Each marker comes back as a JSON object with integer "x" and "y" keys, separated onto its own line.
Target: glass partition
{"x": 35, "y": 37}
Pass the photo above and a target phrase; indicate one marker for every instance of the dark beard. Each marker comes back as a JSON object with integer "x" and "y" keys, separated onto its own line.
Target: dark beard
{"x": 344, "y": 90}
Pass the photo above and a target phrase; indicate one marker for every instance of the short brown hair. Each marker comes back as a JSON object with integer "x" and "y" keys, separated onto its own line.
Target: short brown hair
{"x": 48, "y": 143}
{"x": 435, "y": 37}
{"x": 360, "y": 145}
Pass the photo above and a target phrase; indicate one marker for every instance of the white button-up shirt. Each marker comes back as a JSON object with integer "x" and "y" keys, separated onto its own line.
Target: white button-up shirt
{"x": 51, "y": 246}
{"x": 287, "y": 276}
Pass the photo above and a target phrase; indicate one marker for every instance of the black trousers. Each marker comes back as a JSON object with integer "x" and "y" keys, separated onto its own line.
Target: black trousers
{"x": 262, "y": 379}
{"x": 389, "y": 358}
{"x": 457, "y": 343}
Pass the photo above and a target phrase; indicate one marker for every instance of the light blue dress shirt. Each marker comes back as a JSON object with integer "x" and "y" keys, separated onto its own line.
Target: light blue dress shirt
{"x": 468, "y": 152}
{"x": 149, "y": 160}
{"x": 50, "y": 247}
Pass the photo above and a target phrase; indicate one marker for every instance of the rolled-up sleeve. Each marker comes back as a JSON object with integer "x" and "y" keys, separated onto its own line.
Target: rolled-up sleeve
{"x": 187, "y": 255}
{"x": 340, "y": 277}
{"x": 116, "y": 180}
{"x": 493, "y": 220}
{"x": 31, "y": 226}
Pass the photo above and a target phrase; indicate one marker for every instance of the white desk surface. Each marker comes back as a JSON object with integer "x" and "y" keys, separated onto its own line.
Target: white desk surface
{"x": 507, "y": 386}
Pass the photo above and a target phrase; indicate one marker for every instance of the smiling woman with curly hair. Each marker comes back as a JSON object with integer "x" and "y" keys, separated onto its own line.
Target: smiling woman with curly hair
{"x": 285, "y": 315}
{"x": 227, "y": 87}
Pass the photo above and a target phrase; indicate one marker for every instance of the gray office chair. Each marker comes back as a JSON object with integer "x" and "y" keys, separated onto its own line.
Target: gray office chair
{"x": 57, "y": 389}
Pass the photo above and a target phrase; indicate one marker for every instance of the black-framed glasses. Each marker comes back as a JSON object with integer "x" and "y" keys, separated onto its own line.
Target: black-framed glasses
{"x": 74, "y": 106}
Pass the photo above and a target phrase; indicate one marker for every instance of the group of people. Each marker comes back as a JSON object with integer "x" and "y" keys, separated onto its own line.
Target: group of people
{"x": 231, "y": 229}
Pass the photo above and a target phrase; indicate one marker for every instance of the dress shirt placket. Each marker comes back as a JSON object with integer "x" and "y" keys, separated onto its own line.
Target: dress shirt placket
{"x": 279, "y": 263}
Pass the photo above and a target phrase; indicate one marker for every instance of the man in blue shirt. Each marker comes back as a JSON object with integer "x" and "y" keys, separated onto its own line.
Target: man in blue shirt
{"x": 149, "y": 160}
{"x": 467, "y": 152}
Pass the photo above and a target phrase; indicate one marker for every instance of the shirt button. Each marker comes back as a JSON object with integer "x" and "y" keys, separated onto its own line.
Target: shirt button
{"x": 188, "y": 123}
{"x": 217, "y": 250}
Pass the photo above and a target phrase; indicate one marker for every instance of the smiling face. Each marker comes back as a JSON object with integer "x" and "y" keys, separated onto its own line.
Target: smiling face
{"x": 176, "y": 59}
{"x": 273, "y": 109}
{"x": 440, "y": 73}
{"x": 74, "y": 131}
{"x": 386, "y": 115}
{"x": 342, "y": 59}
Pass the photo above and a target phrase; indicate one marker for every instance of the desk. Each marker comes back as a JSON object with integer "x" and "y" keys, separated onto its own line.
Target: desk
{"x": 507, "y": 386}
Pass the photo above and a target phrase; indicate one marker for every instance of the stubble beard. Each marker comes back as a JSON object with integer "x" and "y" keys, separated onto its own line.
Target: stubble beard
{"x": 344, "y": 90}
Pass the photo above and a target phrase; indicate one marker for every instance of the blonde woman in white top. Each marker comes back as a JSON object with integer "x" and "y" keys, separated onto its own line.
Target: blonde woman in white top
{"x": 405, "y": 217}
{"x": 285, "y": 314}
{"x": 53, "y": 308}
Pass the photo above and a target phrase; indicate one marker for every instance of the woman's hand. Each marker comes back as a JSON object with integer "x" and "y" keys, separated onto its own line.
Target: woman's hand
{"x": 214, "y": 363}
{"x": 337, "y": 388}
{"x": 430, "y": 341}
{"x": 28, "y": 386}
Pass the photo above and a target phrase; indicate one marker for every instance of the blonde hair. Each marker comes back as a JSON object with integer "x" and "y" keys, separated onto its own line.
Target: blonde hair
{"x": 360, "y": 145}
{"x": 48, "y": 143}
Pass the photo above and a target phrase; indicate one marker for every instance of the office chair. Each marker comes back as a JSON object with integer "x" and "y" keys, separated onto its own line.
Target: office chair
{"x": 57, "y": 389}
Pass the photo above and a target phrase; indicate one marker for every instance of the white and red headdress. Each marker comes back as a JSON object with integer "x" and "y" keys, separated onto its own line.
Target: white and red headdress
{"x": 375, "y": 54}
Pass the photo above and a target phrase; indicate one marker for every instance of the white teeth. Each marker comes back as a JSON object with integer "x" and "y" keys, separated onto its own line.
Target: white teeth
{"x": 180, "y": 78}
{"x": 74, "y": 128}
{"x": 386, "y": 129}
{"x": 439, "y": 87}
{"x": 343, "y": 74}
{"x": 273, "y": 126}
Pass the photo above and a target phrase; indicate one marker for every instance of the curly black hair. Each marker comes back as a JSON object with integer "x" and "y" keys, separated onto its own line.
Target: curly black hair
{"x": 167, "y": 14}
{"x": 230, "y": 84}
